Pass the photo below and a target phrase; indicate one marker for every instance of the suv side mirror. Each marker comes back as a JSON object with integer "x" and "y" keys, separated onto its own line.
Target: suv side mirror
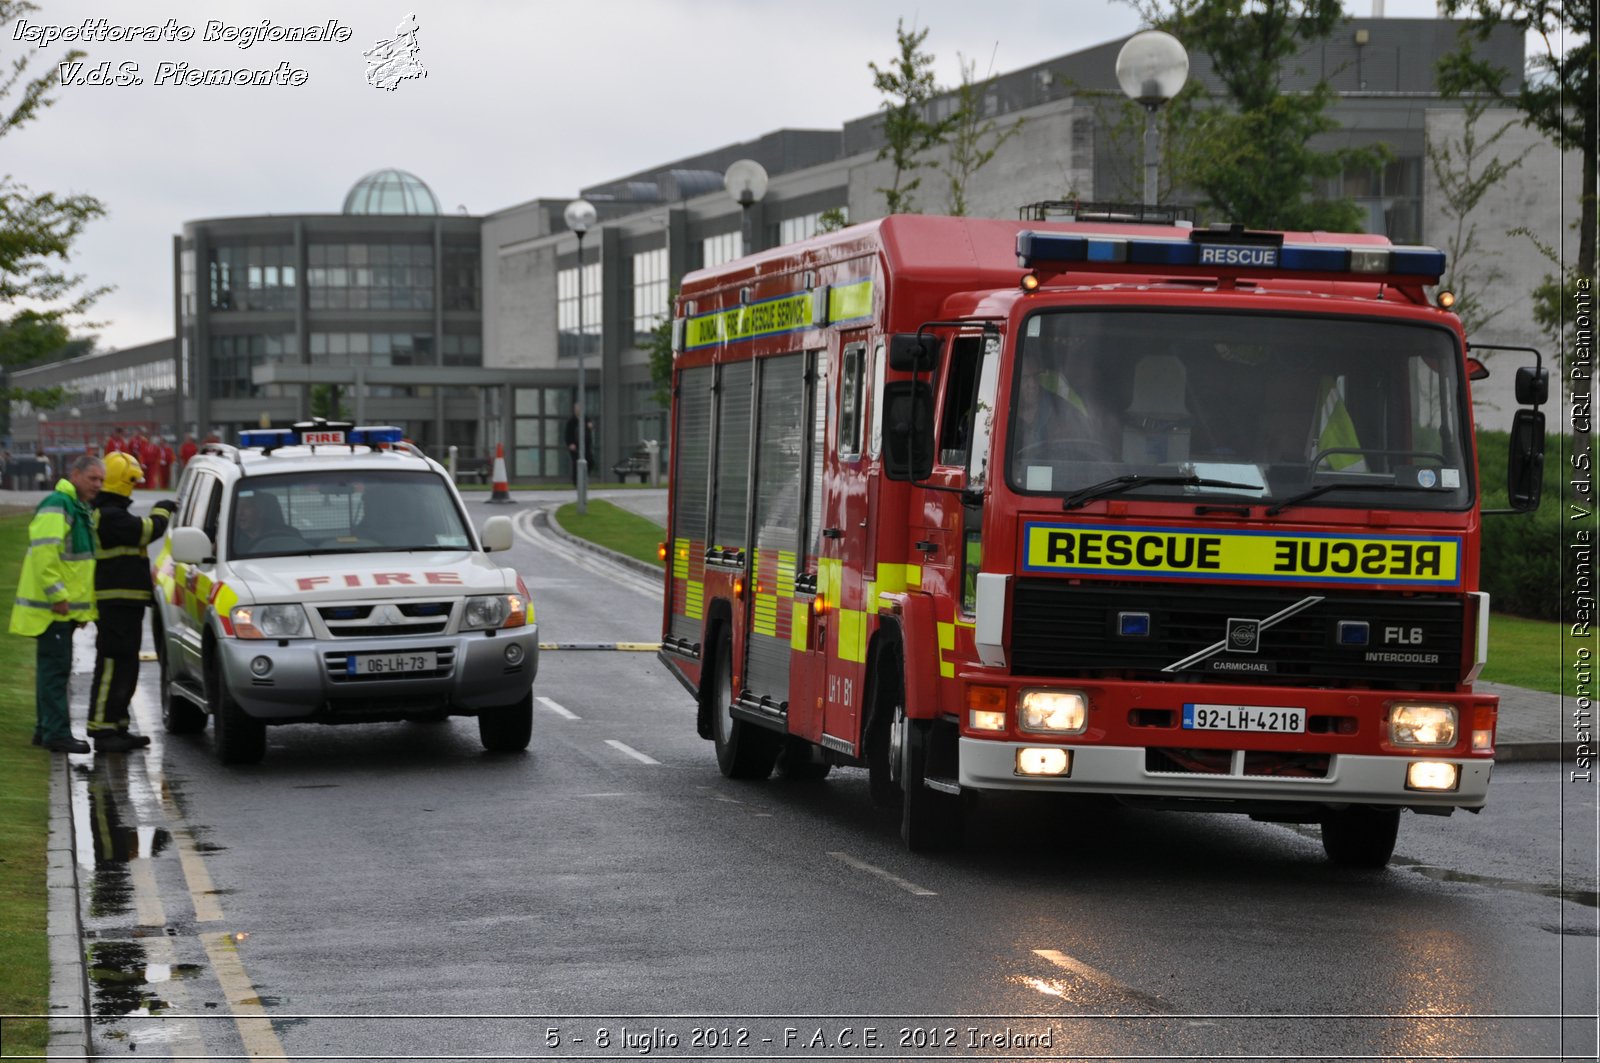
{"x": 1533, "y": 385}
{"x": 190, "y": 546}
{"x": 1525, "y": 467}
{"x": 913, "y": 352}
{"x": 498, "y": 534}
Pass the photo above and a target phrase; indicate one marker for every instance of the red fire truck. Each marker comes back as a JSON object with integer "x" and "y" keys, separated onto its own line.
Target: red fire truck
{"x": 1178, "y": 517}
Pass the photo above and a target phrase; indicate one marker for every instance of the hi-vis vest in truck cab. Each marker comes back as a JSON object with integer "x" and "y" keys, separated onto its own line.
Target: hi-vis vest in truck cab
{"x": 330, "y": 574}
{"x": 1176, "y": 517}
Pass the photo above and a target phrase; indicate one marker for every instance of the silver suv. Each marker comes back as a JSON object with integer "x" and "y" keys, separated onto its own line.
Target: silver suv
{"x": 329, "y": 574}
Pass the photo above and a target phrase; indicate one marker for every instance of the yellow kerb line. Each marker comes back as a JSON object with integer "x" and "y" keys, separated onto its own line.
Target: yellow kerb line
{"x": 255, "y": 1029}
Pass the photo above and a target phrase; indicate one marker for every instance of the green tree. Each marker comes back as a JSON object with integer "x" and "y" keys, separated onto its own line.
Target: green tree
{"x": 1466, "y": 169}
{"x": 974, "y": 140}
{"x": 37, "y": 230}
{"x": 1252, "y": 162}
{"x": 832, "y": 220}
{"x": 659, "y": 348}
{"x": 1558, "y": 94}
{"x": 908, "y": 86}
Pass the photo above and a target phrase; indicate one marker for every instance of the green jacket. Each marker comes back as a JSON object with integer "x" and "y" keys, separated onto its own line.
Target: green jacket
{"x": 59, "y": 566}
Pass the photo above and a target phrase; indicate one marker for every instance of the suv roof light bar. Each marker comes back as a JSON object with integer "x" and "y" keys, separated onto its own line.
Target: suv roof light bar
{"x": 318, "y": 432}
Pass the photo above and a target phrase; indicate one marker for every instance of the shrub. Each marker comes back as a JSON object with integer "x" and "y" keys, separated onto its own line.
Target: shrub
{"x": 1522, "y": 552}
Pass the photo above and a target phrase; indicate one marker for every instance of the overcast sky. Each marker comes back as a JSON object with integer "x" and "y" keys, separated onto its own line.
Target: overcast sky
{"x": 522, "y": 99}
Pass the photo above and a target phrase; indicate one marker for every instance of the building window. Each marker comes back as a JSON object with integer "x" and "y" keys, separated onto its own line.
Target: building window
{"x": 649, "y": 293}
{"x": 539, "y": 447}
{"x": 462, "y": 278}
{"x": 232, "y": 358}
{"x": 725, "y": 247}
{"x": 462, "y": 350}
{"x": 375, "y": 349}
{"x": 370, "y": 276}
{"x": 252, "y": 278}
{"x": 567, "y": 310}
{"x": 805, "y": 226}
{"x": 1391, "y": 197}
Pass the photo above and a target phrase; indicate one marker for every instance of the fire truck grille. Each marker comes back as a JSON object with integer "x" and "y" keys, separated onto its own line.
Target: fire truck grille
{"x": 1348, "y": 639}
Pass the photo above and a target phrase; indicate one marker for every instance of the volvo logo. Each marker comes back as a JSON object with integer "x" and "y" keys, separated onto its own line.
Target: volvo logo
{"x": 1244, "y": 636}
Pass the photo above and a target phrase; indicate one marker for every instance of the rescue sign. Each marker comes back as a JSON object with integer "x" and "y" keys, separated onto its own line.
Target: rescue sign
{"x": 1210, "y": 554}
{"x": 783, "y": 314}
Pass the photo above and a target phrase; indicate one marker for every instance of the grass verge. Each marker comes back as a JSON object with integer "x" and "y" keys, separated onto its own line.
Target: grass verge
{"x": 1524, "y": 653}
{"x": 615, "y": 528}
{"x": 24, "y": 828}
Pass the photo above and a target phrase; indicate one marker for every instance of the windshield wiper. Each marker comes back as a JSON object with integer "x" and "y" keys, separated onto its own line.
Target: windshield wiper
{"x": 1322, "y": 489}
{"x": 1127, "y": 483}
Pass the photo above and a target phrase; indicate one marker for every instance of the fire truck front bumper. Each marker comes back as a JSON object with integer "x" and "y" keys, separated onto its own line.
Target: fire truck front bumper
{"x": 1229, "y": 776}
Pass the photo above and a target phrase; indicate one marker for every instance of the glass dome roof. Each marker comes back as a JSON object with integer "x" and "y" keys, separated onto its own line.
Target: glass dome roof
{"x": 390, "y": 192}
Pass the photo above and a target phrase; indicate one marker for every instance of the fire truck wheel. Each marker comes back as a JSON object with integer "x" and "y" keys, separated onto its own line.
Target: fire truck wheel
{"x": 929, "y": 820}
{"x": 1360, "y": 837}
{"x": 241, "y": 739}
{"x": 744, "y": 751}
{"x": 884, "y": 717}
{"x": 509, "y": 728}
{"x": 179, "y": 716}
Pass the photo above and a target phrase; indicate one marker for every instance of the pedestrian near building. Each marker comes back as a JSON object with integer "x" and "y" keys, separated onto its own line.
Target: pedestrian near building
{"x": 187, "y": 452}
{"x": 122, "y": 590}
{"x": 115, "y": 442}
{"x": 572, "y": 441}
{"x": 159, "y": 470}
{"x": 56, "y": 594}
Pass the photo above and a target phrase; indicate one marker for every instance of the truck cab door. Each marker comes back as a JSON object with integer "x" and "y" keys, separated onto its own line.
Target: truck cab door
{"x": 848, "y": 563}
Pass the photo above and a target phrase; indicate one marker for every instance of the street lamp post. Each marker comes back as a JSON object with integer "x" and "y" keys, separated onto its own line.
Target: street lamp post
{"x": 1151, "y": 68}
{"x": 580, "y": 215}
{"x": 746, "y": 182}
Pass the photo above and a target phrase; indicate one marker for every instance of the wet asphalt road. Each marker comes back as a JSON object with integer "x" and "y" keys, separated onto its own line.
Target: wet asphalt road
{"x": 394, "y": 892}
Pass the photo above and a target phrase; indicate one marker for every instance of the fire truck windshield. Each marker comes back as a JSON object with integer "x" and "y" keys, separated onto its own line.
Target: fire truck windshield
{"x": 1239, "y": 408}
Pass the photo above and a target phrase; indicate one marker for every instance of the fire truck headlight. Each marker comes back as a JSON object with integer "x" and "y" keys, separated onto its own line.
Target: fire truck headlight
{"x": 271, "y": 622}
{"x": 1053, "y": 711}
{"x": 1044, "y": 761}
{"x": 1422, "y": 724}
{"x": 1432, "y": 775}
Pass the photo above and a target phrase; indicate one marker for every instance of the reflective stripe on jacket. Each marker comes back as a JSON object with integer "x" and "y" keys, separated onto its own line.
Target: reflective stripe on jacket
{"x": 59, "y": 566}
{"x": 122, "y": 563}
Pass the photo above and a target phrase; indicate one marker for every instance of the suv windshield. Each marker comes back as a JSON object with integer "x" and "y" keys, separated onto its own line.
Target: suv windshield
{"x": 330, "y": 512}
{"x": 1238, "y": 408}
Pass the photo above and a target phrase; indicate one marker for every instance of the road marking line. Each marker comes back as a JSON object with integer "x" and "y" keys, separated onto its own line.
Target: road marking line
{"x": 1099, "y": 977}
{"x": 862, "y": 865}
{"x": 201, "y": 891}
{"x": 565, "y": 714}
{"x": 630, "y": 751}
{"x": 146, "y": 894}
{"x": 255, "y": 1029}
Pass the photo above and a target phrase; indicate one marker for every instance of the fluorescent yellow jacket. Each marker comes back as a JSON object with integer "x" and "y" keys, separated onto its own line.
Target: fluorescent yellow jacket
{"x": 59, "y": 566}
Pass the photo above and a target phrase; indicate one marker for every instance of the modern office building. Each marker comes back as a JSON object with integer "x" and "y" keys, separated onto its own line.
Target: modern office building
{"x": 387, "y": 285}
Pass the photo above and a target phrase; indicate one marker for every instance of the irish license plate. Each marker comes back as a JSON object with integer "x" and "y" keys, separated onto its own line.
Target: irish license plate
{"x": 391, "y": 663}
{"x": 1272, "y": 719}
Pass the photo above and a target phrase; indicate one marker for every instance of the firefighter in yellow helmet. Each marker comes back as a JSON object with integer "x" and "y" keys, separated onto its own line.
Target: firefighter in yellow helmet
{"x": 122, "y": 588}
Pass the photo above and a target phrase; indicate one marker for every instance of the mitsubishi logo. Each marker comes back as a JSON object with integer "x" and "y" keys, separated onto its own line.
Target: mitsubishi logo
{"x": 389, "y": 614}
{"x": 1243, "y": 635}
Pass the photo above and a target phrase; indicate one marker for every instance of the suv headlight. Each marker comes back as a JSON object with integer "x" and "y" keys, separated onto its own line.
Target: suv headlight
{"x": 488, "y": 611}
{"x": 1053, "y": 711}
{"x": 1422, "y": 724}
{"x": 271, "y": 622}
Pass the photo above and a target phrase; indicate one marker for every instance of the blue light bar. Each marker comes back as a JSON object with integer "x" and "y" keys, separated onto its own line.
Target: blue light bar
{"x": 268, "y": 437}
{"x": 372, "y": 435}
{"x": 1248, "y": 256}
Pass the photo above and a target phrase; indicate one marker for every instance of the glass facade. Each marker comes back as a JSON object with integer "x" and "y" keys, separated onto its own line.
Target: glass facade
{"x": 370, "y": 276}
{"x": 649, "y": 293}
{"x": 463, "y": 269}
{"x": 567, "y": 311}
{"x": 232, "y": 358}
{"x": 724, "y": 247}
{"x": 260, "y": 277}
{"x": 1390, "y": 196}
{"x": 539, "y": 436}
{"x": 805, "y": 226}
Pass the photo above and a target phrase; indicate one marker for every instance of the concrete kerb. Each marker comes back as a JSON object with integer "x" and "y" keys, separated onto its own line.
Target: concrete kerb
{"x": 69, "y": 1023}
{"x": 548, "y": 516}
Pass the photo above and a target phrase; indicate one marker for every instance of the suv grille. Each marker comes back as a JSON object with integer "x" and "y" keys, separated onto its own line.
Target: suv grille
{"x": 385, "y": 620}
{"x": 1064, "y": 629}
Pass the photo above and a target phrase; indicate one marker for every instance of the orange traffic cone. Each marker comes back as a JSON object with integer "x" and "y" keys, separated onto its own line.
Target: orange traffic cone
{"x": 502, "y": 489}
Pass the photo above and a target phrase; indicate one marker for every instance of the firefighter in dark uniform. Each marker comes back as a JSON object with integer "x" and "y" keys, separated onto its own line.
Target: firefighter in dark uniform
{"x": 122, "y": 588}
